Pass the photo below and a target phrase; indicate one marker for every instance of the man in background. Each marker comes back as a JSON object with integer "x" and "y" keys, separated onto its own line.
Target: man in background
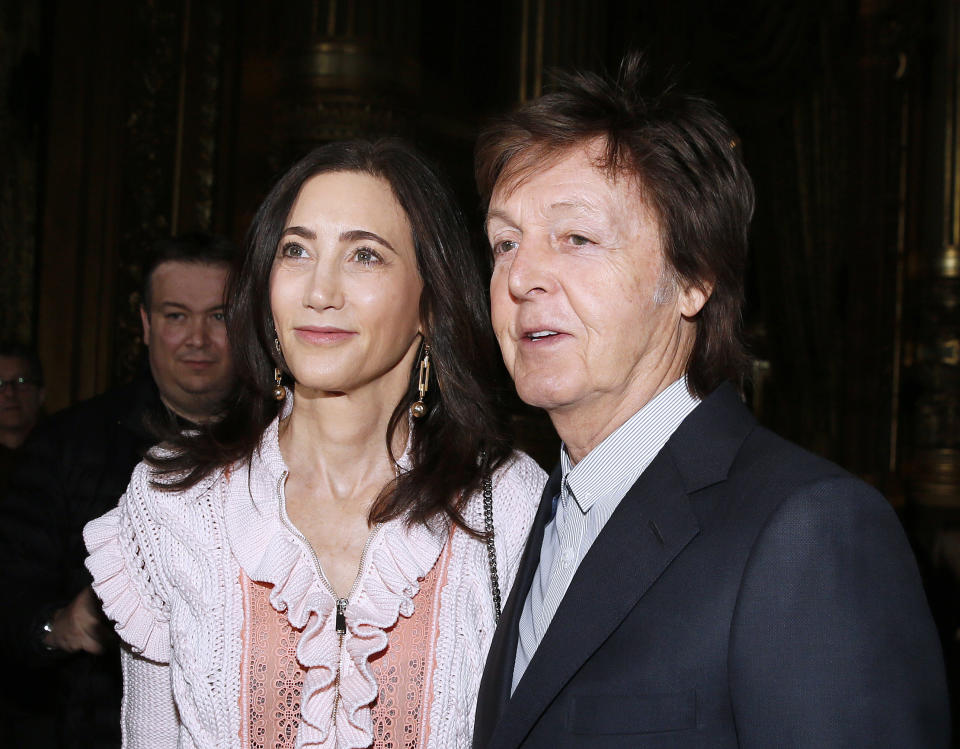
{"x": 73, "y": 469}
{"x": 21, "y": 396}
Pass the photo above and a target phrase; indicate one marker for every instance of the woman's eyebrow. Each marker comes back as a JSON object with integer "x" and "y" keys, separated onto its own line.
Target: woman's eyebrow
{"x": 355, "y": 235}
{"x": 300, "y": 231}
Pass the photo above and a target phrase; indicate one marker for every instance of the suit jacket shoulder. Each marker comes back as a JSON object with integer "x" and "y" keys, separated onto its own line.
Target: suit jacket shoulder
{"x": 745, "y": 593}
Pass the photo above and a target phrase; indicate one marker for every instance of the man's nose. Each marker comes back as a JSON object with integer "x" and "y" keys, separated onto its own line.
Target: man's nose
{"x": 531, "y": 269}
{"x": 199, "y": 333}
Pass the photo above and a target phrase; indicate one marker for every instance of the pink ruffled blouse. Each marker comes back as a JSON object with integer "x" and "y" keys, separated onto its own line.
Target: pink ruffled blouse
{"x": 272, "y": 682}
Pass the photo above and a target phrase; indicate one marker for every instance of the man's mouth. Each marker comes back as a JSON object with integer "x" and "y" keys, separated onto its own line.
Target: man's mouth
{"x": 539, "y": 335}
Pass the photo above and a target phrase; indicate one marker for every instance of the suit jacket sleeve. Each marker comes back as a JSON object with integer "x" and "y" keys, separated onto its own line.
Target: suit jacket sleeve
{"x": 39, "y": 536}
{"x": 832, "y": 643}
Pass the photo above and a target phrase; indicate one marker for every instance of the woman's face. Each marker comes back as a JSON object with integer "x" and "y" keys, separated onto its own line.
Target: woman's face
{"x": 345, "y": 289}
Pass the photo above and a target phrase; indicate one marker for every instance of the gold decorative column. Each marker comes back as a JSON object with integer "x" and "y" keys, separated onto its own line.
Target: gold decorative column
{"x": 565, "y": 34}
{"x": 935, "y": 475}
{"x": 357, "y": 75}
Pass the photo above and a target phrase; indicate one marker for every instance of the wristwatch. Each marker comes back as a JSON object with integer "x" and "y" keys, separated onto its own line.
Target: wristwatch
{"x": 47, "y": 630}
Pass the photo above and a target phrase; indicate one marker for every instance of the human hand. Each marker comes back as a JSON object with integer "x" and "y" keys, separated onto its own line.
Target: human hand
{"x": 79, "y": 626}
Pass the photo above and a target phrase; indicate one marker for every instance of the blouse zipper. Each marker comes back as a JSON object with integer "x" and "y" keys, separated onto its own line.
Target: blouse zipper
{"x": 342, "y": 603}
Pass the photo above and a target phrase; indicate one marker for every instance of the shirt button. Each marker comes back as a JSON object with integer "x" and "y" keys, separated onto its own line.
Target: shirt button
{"x": 567, "y": 559}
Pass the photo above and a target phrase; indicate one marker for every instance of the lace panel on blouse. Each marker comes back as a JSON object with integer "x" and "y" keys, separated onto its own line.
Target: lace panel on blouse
{"x": 405, "y": 668}
{"x": 272, "y": 678}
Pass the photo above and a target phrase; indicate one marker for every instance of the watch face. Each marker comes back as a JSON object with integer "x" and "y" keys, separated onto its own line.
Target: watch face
{"x": 47, "y": 629}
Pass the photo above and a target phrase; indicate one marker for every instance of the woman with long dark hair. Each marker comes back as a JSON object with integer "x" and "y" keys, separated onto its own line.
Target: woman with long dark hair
{"x": 323, "y": 565}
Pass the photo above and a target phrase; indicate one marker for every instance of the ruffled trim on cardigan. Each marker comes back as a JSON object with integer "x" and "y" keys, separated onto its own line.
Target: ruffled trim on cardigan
{"x": 270, "y": 551}
{"x": 140, "y": 617}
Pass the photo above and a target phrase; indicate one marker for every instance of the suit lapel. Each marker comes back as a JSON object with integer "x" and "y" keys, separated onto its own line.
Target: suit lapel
{"x": 648, "y": 529}
{"x": 498, "y": 672}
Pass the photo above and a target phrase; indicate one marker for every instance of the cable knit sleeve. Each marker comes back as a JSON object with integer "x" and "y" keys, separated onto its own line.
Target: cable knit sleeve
{"x": 124, "y": 560}
{"x": 148, "y": 716}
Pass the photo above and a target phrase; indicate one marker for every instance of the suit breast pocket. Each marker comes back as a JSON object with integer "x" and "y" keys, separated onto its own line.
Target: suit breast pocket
{"x": 636, "y": 713}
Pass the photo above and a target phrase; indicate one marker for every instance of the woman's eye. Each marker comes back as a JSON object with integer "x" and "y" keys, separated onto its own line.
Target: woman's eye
{"x": 578, "y": 240}
{"x": 501, "y": 248}
{"x": 292, "y": 249}
{"x": 366, "y": 256}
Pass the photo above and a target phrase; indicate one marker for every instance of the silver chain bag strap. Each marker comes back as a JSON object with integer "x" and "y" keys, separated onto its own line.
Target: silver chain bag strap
{"x": 491, "y": 549}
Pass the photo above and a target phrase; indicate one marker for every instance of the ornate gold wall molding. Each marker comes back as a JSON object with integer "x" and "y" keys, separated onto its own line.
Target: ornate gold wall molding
{"x": 564, "y": 34}
{"x": 132, "y": 150}
{"x": 935, "y": 359}
{"x": 356, "y": 74}
{"x": 21, "y": 105}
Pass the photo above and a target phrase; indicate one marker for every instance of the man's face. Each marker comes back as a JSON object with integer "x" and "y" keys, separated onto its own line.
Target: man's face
{"x": 187, "y": 339}
{"x": 19, "y": 404}
{"x": 589, "y": 319}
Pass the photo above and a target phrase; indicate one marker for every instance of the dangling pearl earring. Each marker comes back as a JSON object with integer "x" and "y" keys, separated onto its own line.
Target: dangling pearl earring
{"x": 279, "y": 392}
{"x": 419, "y": 408}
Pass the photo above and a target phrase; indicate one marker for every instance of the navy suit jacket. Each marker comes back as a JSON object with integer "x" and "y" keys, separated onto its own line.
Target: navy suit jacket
{"x": 744, "y": 593}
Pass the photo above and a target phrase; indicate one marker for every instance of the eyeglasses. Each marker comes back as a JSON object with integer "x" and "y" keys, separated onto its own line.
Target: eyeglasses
{"x": 18, "y": 383}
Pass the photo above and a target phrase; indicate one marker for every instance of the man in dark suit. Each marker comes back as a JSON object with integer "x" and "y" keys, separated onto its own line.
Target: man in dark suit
{"x": 73, "y": 468}
{"x": 691, "y": 579}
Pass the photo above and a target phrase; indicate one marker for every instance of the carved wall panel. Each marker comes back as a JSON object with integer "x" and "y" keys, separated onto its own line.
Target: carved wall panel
{"x": 185, "y": 119}
{"x": 132, "y": 153}
{"x": 171, "y": 137}
{"x": 932, "y": 429}
{"x": 22, "y": 89}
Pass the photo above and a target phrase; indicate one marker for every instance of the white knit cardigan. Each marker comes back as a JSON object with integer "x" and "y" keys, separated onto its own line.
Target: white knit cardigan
{"x": 167, "y": 568}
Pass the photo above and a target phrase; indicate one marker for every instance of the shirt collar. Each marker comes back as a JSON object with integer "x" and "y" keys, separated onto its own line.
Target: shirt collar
{"x": 612, "y": 467}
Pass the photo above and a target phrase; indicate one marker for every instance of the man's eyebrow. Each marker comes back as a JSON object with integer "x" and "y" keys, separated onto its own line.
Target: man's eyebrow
{"x": 356, "y": 235}
{"x": 495, "y": 213}
{"x": 577, "y": 205}
{"x": 560, "y": 206}
{"x": 180, "y": 305}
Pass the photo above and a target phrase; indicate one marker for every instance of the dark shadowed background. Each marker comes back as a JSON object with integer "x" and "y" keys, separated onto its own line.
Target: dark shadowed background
{"x": 125, "y": 120}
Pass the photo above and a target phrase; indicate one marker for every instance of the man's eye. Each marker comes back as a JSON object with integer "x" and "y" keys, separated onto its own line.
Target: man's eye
{"x": 578, "y": 240}
{"x": 219, "y": 316}
{"x": 174, "y": 316}
{"x": 501, "y": 248}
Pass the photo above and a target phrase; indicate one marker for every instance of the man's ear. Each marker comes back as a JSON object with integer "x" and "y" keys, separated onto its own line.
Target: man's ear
{"x": 693, "y": 297}
{"x": 145, "y": 321}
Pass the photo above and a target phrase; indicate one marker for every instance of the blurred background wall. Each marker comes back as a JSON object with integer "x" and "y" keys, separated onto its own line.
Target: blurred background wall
{"x": 122, "y": 121}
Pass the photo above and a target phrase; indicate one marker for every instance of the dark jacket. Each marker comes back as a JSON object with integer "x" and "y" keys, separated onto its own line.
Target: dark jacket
{"x": 744, "y": 593}
{"x": 72, "y": 469}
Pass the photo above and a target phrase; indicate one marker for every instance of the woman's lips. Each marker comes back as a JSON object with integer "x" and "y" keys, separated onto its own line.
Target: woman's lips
{"x": 321, "y": 336}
